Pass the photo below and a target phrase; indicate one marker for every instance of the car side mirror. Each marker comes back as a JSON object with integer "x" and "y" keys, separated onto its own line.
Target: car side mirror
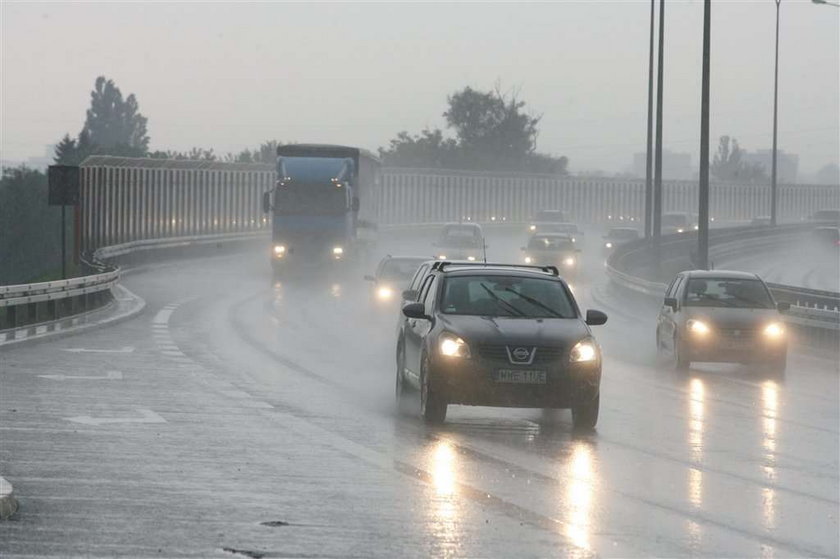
{"x": 266, "y": 202}
{"x": 595, "y": 318}
{"x": 671, "y": 302}
{"x": 415, "y": 310}
{"x": 784, "y": 306}
{"x": 370, "y": 278}
{"x": 409, "y": 295}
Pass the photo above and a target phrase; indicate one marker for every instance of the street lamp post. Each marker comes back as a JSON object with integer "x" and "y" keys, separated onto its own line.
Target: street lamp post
{"x": 649, "y": 151}
{"x": 657, "y": 180}
{"x": 773, "y": 178}
{"x": 703, "y": 213}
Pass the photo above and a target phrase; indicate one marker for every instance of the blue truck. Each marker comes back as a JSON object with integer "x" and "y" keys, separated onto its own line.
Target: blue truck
{"x": 321, "y": 204}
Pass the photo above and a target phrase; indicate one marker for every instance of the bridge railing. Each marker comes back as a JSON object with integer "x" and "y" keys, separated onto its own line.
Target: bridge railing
{"x": 131, "y": 199}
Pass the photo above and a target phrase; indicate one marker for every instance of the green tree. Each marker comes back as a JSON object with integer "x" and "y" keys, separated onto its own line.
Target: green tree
{"x": 115, "y": 125}
{"x": 728, "y": 163}
{"x": 492, "y": 132}
{"x": 492, "y": 123}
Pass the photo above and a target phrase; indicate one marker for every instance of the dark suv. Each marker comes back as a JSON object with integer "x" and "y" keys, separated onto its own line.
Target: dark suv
{"x": 499, "y": 335}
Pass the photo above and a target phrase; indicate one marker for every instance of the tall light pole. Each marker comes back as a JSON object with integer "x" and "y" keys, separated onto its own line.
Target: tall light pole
{"x": 649, "y": 151}
{"x": 657, "y": 181}
{"x": 703, "y": 213}
{"x": 773, "y": 186}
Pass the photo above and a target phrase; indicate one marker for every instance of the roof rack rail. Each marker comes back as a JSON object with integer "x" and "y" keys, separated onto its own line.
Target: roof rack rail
{"x": 440, "y": 265}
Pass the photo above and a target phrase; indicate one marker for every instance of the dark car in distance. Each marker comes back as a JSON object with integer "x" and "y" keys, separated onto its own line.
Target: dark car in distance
{"x": 552, "y": 249}
{"x": 499, "y": 335}
{"x": 393, "y": 275}
{"x": 721, "y": 316}
{"x": 617, "y": 236}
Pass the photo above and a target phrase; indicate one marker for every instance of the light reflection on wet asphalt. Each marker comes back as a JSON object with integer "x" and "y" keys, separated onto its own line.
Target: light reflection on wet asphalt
{"x": 719, "y": 495}
{"x": 719, "y": 461}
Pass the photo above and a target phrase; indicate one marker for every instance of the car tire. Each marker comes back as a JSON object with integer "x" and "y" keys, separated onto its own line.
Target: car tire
{"x": 681, "y": 363}
{"x": 401, "y": 389}
{"x": 585, "y": 416}
{"x": 432, "y": 403}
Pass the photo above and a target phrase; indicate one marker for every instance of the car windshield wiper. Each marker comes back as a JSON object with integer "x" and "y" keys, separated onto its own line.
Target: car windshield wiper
{"x": 537, "y": 303}
{"x": 502, "y": 303}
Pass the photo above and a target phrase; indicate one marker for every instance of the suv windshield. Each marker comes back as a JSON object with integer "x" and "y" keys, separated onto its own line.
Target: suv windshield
{"x": 506, "y": 296}
{"x": 743, "y": 293}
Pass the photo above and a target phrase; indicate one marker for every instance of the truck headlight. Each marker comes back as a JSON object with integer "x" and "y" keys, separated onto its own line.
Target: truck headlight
{"x": 698, "y": 327}
{"x": 452, "y": 346}
{"x": 279, "y": 250}
{"x": 585, "y": 351}
{"x": 384, "y": 292}
{"x": 569, "y": 262}
{"x": 774, "y": 331}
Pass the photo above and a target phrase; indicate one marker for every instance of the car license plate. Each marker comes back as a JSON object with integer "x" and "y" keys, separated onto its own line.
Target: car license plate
{"x": 520, "y": 376}
{"x": 734, "y": 344}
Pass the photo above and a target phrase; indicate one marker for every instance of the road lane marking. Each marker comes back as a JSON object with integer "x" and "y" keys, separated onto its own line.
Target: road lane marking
{"x": 110, "y": 375}
{"x": 126, "y": 349}
{"x": 148, "y": 416}
{"x": 162, "y": 316}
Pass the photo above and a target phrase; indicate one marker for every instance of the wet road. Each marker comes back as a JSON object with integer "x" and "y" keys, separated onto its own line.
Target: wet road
{"x": 233, "y": 402}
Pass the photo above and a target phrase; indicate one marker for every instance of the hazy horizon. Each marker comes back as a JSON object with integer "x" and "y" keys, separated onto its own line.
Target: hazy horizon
{"x": 229, "y": 76}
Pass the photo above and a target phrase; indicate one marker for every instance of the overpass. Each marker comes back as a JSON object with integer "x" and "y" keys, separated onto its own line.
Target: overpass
{"x": 237, "y": 417}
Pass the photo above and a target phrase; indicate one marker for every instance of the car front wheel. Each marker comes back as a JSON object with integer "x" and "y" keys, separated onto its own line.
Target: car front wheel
{"x": 432, "y": 402}
{"x": 585, "y": 416}
{"x": 681, "y": 361}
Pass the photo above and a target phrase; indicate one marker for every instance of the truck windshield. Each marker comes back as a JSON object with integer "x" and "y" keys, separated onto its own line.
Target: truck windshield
{"x": 310, "y": 199}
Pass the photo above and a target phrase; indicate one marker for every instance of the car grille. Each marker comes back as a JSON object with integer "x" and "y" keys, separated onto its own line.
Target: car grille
{"x": 499, "y": 353}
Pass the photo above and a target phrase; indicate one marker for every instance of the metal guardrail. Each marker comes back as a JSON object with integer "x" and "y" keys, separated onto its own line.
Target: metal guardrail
{"x": 809, "y": 307}
{"x": 27, "y": 306}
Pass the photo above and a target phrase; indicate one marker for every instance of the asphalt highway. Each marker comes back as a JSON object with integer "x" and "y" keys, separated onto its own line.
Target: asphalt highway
{"x": 243, "y": 417}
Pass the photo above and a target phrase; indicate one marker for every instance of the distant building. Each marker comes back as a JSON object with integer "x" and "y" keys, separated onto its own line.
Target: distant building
{"x": 787, "y": 164}
{"x": 675, "y": 166}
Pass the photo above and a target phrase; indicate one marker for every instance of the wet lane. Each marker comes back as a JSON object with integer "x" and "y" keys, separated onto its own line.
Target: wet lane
{"x": 718, "y": 461}
{"x": 671, "y": 445}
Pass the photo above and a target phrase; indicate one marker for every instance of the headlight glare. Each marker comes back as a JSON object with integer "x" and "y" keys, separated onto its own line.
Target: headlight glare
{"x": 585, "y": 351}
{"x": 698, "y": 327}
{"x": 338, "y": 251}
{"x": 279, "y": 250}
{"x": 384, "y": 292}
{"x": 570, "y": 261}
{"x": 609, "y": 245}
{"x": 471, "y": 258}
{"x": 528, "y": 259}
{"x": 452, "y": 346}
{"x": 533, "y": 228}
{"x": 774, "y": 330}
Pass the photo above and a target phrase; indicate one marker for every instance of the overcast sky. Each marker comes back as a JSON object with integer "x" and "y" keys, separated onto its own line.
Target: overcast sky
{"x": 231, "y": 75}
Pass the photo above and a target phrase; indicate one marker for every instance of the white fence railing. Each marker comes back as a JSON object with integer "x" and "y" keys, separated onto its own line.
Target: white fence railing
{"x": 125, "y": 199}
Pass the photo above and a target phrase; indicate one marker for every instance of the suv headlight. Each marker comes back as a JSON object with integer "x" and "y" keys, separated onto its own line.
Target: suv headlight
{"x": 452, "y": 346}
{"x": 585, "y": 351}
{"x": 698, "y": 327}
{"x": 774, "y": 331}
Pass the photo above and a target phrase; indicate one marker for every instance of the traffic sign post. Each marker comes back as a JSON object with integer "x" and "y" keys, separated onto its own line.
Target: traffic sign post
{"x": 64, "y": 191}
